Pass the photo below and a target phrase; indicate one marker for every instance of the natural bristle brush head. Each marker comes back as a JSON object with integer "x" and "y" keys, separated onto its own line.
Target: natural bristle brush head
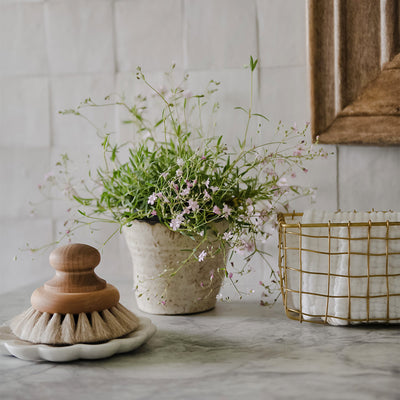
{"x": 76, "y": 306}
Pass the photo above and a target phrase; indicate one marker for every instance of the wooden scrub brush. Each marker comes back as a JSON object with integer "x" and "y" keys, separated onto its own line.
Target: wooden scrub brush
{"x": 76, "y": 306}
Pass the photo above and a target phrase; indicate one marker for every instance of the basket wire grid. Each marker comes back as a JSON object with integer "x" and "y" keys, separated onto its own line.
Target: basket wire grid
{"x": 294, "y": 273}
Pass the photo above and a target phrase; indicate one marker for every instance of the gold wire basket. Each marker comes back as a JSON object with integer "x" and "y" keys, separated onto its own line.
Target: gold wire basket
{"x": 339, "y": 273}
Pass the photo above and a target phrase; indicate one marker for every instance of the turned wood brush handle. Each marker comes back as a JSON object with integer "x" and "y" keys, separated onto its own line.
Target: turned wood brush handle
{"x": 75, "y": 287}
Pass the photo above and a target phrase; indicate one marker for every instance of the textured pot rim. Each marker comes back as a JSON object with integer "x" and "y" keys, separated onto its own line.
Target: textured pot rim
{"x": 220, "y": 226}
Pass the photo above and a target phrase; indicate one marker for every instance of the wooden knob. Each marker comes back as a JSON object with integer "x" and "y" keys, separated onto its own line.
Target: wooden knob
{"x": 74, "y": 258}
{"x": 75, "y": 287}
{"x": 74, "y": 265}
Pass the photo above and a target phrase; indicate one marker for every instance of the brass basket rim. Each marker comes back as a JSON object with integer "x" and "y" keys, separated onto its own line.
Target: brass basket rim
{"x": 282, "y": 222}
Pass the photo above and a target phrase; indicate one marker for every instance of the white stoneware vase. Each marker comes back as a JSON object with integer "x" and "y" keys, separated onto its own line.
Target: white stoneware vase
{"x": 156, "y": 253}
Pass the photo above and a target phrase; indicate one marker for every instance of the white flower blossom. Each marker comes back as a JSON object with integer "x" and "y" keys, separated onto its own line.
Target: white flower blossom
{"x": 152, "y": 198}
{"x": 202, "y": 255}
{"x": 193, "y": 204}
{"x": 176, "y": 222}
{"x": 185, "y": 192}
{"x": 227, "y": 236}
{"x": 226, "y": 210}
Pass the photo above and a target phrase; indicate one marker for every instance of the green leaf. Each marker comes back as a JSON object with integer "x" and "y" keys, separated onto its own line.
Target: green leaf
{"x": 253, "y": 63}
{"x": 242, "y": 109}
{"x": 260, "y": 115}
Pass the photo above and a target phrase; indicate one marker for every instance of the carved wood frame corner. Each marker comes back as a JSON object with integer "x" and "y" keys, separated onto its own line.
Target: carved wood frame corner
{"x": 354, "y": 65}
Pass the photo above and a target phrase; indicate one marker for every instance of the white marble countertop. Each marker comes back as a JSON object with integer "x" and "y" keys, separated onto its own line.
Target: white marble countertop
{"x": 239, "y": 350}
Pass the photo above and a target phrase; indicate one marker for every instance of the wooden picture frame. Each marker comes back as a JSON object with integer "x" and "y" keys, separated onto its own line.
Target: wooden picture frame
{"x": 354, "y": 65}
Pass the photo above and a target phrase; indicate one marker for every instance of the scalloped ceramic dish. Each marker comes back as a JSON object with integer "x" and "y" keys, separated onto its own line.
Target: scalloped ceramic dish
{"x": 36, "y": 352}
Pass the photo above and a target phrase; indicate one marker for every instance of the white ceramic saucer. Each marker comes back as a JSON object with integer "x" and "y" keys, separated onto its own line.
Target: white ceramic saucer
{"x": 36, "y": 352}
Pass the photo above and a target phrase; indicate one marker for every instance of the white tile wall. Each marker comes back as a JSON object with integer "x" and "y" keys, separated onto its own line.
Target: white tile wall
{"x": 22, "y": 39}
{"x": 233, "y": 91}
{"x": 148, "y": 33}
{"x": 67, "y": 92}
{"x": 219, "y": 33}
{"x": 21, "y": 171}
{"x": 128, "y": 86}
{"x": 24, "y": 117}
{"x": 322, "y": 176}
{"x": 80, "y": 36}
{"x": 53, "y": 54}
{"x": 284, "y": 95}
{"x": 368, "y": 178}
{"x": 28, "y": 267}
{"x": 282, "y": 32}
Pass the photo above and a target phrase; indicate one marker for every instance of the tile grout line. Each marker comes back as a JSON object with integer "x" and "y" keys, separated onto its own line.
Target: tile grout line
{"x": 114, "y": 38}
{"x": 257, "y": 26}
{"x": 51, "y": 116}
{"x": 184, "y": 37}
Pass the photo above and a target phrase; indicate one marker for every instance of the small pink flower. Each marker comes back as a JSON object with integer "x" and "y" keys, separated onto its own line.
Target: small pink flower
{"x": 202, "y": 256}
{"x": 217, "y": 210}
{"x": 176, "y": 222}
{"x": 154, "y": 212}
{"x": 206, "y": 195}
{"x": 214, "y": 188}
{"x": 185, "y": 192}
{"x": 203, "y": 158}
{"x": 193, "y": 205}
{"x": 207, "y": 183}
{"x": 179, "y": 173}
{"x": 201, "y": 284}
{"x": 245, "y": 247}
{"x": 212, "y": 275}
{"x": 164, "y": 174}
{"x": 226, "y": 210}
{"x": 67, "y": 231}
{"x": 305, "y": 170}
{"x": 230, "y": 275}
{"x": 227, "y": 236}
{"x": 163, "y": 302}
{"x": 152, "y": 199}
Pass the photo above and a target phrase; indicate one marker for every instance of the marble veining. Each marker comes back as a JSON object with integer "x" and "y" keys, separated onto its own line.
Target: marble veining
{"x": 239, "y": 350}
